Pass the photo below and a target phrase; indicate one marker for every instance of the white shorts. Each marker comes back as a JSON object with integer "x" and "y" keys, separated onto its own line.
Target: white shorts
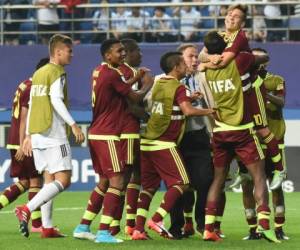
{"x": 54, "y": 159}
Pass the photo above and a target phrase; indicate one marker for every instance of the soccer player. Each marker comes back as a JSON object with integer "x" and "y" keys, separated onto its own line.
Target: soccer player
{"x": 131, "y": 124}
{"x": 22, "y": 167}
{"x": 110, "y": 90}
{"x": 196, "y": 152}
{"x": 130, "y": 140}
{"x": 160, "y": 158}
{"x": 46, "y": 134}
{"x": 275, "y": 95}
{"x": 237, "y": 41}
{"x": 233, "y": 134}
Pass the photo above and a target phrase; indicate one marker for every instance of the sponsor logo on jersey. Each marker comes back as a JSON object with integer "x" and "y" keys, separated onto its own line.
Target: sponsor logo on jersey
{"x": 157, "y": 108}
{"x": 221, "y": 86}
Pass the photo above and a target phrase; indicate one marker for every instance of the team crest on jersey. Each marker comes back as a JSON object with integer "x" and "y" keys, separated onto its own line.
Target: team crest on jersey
{"x": 221, "y": 86}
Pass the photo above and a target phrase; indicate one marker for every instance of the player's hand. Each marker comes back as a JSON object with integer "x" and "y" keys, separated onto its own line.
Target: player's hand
{"x": 27, "y": 146}
{"x": 79, "y": 136}
{"x": 142, "y": 71}
{"x": 19, "y": 154}
{"x": 215, "y": 59}
{"x": 197, "y": 95}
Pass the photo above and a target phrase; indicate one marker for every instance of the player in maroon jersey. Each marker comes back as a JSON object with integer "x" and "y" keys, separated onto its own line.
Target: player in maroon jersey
{"x": 233, "y": 134}
{"x": 22, "y": 167}
{"x": 109, "y": 93}
{"x": 130, "y": 140}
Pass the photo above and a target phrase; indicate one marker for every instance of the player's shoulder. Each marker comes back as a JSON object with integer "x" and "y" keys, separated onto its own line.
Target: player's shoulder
{"x": 24, "y": 85}
{"x": 274, "y": 82}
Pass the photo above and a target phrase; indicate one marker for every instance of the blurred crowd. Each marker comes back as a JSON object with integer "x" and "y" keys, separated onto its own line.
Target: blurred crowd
{"x": 266, "y": 22}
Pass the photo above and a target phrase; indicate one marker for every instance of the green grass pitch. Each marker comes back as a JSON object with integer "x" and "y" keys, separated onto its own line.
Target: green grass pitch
{"x": 69, "y": 206}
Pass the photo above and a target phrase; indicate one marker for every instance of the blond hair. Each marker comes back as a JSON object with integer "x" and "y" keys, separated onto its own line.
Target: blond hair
{"x": 57, "y": 39}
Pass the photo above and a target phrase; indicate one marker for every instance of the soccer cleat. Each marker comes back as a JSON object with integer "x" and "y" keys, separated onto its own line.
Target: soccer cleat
{"x": 269, "y": 234}
{"x": 277, "y": 179}
{"x": 220, "y": 233}
{"x": 51, "y": 233}
{"x": 240, "y": 179}
{"x": 36, "y": 229}
{"x": 104, "y": 236}
{"x": 253, "y": 236}
{"x": 137, "y": 235}
{"x": 159, "y": 228}
{"x": 211, "y": 236}
{"x": 129, "y": 230}
{"x": 280, "y": 235}
{"x": 23, "y": 215}
{"x": 83, "y": 232}
{"x": 188, "y": 229}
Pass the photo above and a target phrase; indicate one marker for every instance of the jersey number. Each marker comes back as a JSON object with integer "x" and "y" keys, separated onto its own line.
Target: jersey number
{"x": 258, "y": 119}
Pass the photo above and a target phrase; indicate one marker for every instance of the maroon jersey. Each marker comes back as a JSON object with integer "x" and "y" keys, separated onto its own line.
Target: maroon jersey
{"x": 174, "y": 129}
{"x": 108, "y": 100}
{"x": 21, "y": 99}
{"x": 131, "y": 124}
{"x": 236, "y": 42}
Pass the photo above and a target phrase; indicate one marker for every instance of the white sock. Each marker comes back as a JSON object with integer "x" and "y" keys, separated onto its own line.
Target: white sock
{"x": 46, "y": 211}
{"x": 48, "y": 192}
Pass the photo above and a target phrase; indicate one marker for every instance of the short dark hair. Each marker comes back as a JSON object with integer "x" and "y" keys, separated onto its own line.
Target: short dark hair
{"x": 260, "y": 50}
{"x": 242, "y": 7}
{"x": 129, "y": 44}
{"x": 214, "y": 43}
{"x": 107, "y": 44}
{"x": 42, "y": 62}
{"x": 184, "y": 46}
{"x": 56, "y": 39}
{"x": 169, "y": 60}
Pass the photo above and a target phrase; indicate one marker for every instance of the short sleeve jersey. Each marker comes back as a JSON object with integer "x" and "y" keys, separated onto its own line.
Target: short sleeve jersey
{"x": 130, "y": 122}
{"x": 21, "y": 99}
{"x": 173, "y": 131}
{"x": 108, "y": 100}
{"x": 236, "y": 42}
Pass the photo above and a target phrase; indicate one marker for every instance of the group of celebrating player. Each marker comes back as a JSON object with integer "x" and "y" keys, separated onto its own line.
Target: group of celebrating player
{"x": 243, "y": 104}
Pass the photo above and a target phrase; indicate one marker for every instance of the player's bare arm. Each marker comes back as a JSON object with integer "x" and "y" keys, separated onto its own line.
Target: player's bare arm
{"x": 188, "y": 110}
{"x": 20, "y": 154}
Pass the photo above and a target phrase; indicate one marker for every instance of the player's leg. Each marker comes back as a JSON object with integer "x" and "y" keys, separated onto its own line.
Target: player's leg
{"x": 12, "y": 192}
{"x": 257, "y": 106}
{"x": 150, "y": 181}
{"x": 170, "y": 167}
{"x": 213, "y": 197}
{"x": 34, "y": 188}
{"x": 56, "y": 164}
{"x": 279, "y": 213}
{"x": 132, "y": 195}
{"x": 113, "y": 167}
{"x": 83, "y": 231}
{"x": 250, "y": 213}
{"x": 133, "y": 189}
